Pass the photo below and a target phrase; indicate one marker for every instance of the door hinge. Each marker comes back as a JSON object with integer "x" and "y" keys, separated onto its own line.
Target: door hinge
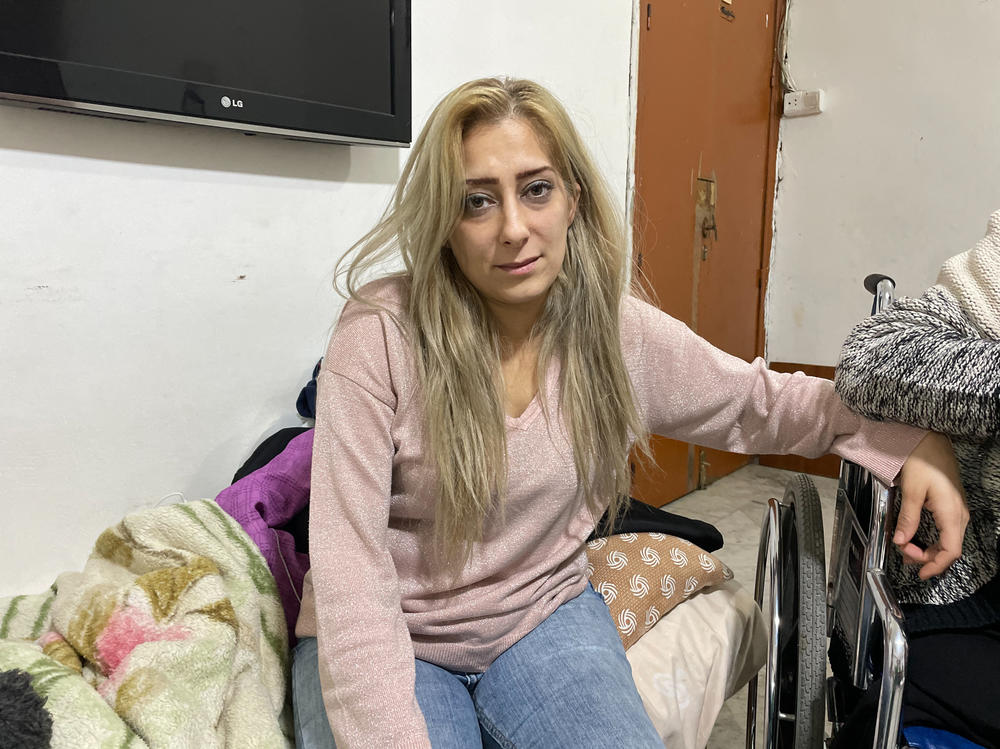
{"x": 649, "y": 16}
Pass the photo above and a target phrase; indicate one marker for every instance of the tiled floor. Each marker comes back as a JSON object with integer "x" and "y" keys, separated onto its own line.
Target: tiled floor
{"x": 735, "y": 505}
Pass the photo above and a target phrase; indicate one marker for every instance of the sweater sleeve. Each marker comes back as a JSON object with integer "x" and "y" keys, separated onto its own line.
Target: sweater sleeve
{"x": 365, "y": 653}
{"x": 694, "y": 392}
{"x": 922, "y": 362}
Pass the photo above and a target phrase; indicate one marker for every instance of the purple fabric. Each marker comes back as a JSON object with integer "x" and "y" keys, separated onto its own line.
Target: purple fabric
{"x": 266, "y": 499}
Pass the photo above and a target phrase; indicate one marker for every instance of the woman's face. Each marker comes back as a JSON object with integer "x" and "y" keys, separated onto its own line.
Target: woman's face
{"x": 511, "y": 239}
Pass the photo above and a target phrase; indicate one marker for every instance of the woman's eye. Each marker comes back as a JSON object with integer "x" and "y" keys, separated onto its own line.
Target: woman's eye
{"x": 476, "y": 202}
{"x": 539, "y": 189}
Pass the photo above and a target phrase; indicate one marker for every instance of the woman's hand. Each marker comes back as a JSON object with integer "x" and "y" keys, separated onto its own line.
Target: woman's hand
{"x": 929, "y": 478}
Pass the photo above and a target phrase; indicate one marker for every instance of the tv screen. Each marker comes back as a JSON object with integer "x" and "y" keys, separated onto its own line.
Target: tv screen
{"x": 316, "y": 69}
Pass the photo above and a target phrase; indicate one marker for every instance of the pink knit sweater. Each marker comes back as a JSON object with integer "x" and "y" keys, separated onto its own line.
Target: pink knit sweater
{"x": 372, "y": 597}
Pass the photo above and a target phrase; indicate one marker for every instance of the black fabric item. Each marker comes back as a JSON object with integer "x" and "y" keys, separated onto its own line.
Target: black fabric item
{"x": 269, "y": 449}
{"x": 298, "y": 526}
{"x": 952, "y": 683}
{"x": 978, "y": 611}
{"x": 639, "y": 517}
{"x": 24, "y": 721}
{"x": 306, "y": 403}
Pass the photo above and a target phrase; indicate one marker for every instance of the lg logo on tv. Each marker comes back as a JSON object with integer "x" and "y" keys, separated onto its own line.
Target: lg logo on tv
{"x": 227, "y": 102}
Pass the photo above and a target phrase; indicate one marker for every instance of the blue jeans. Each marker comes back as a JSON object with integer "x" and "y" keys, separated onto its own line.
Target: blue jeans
{"x": 566, "y": 683}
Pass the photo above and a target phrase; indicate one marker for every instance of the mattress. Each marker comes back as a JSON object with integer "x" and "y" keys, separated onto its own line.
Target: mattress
{"x": 697, "y": 656}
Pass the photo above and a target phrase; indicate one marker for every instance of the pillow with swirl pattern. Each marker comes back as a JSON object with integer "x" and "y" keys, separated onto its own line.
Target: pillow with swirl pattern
{"x": 642, "y": 576}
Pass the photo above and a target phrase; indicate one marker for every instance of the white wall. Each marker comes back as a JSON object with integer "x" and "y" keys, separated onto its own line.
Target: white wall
{"x": 165, "y": 290}
{"x": 901, "y": 171}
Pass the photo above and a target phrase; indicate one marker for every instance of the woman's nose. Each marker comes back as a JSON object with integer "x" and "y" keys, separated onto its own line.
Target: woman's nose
{"x": 514, "y": 231}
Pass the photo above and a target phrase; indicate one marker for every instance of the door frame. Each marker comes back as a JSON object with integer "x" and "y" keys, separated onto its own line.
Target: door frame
{"x": 770, "y": 188}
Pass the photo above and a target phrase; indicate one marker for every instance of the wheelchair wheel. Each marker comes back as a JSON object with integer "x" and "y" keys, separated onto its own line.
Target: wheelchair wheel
{"x": 800, "y": 665}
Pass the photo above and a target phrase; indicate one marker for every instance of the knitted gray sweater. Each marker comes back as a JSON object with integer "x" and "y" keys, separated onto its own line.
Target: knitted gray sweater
{"x": 924, "y": 362}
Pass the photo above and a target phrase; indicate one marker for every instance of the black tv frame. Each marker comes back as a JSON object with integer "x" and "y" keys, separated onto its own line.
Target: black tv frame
{"x": 104, "y": 92}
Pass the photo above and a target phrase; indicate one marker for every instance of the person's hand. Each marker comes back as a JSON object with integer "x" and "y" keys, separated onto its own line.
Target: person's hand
{"x": 929, "y": 478}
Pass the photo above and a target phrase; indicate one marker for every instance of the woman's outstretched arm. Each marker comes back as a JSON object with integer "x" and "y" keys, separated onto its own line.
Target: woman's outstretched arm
{"x": 692, "y": 391}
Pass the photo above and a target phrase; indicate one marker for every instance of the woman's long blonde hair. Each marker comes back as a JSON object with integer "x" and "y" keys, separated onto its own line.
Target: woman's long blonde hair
{"x": 455, "y": 342}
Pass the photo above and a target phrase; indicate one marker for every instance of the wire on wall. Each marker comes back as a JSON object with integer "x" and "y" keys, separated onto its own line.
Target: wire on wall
{"x": 787, "y": 82}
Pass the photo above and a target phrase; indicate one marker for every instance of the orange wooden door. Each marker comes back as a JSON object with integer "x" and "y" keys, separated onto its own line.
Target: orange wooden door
{"x": 705, "y": 148}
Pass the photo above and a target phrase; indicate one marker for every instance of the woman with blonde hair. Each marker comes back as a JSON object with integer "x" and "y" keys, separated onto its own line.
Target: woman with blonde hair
{"x": 475, "y": 413}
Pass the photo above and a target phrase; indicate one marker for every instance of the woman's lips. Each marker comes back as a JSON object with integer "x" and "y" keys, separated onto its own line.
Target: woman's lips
{"x": 525, "y": 266}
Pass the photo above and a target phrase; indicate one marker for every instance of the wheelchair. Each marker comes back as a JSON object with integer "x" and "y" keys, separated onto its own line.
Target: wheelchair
{"x": 855, "y": 611}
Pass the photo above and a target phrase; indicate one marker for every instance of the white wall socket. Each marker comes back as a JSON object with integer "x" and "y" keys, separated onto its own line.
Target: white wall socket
{"x": 802, "y": 103}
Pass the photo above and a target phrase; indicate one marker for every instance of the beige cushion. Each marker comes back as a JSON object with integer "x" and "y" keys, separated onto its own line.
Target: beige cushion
{"x": 642, "y": 576}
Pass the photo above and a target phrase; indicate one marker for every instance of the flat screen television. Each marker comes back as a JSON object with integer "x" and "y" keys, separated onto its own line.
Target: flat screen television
{"x": 332, "y": 70}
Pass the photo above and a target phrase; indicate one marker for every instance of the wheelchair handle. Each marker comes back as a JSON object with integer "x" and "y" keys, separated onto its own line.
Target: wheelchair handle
{"x": 883, "y": 287}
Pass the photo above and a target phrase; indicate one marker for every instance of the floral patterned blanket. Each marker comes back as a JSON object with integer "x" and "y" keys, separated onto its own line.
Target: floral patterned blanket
{"x": 172, "y": 636}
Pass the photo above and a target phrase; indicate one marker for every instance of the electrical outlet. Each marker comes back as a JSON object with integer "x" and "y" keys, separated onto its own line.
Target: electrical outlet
{"x": 803, "y": 103}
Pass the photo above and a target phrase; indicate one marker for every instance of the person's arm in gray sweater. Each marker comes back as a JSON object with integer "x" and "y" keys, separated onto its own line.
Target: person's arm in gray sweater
{"x": 922, "y": 362}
